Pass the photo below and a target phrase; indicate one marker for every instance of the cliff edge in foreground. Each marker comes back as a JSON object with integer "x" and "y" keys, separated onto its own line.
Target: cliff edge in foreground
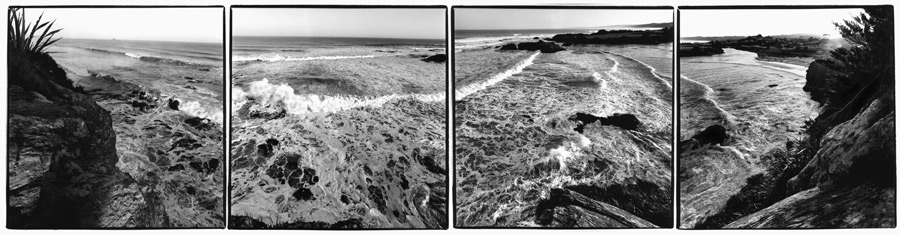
{"x": 62, "y": 156}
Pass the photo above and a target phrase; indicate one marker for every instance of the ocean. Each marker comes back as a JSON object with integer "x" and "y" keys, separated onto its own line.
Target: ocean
{"x": 339, "y": 131}
{"x": 516, "y": 140}
{"x": 156, "y": 65}
{"x": 761, "y": 104}
{"x": 174, "y": 151}
{"x": 287, "y": 48}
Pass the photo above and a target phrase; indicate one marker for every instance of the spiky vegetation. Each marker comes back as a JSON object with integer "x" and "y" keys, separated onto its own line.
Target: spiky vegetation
{"x": 30, "y": 67}
{"x": 22, "y": 37}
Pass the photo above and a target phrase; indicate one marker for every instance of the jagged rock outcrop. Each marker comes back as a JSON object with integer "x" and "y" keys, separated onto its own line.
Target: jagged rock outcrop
{"x": 845, "y": 207}
{"x": 62, "y": 159}
{"x": 853, "y": 167}
{"x": 858, "y": 150}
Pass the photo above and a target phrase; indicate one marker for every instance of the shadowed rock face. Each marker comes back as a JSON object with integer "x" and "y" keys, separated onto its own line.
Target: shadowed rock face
{"x": 566, "y": 208}
{"x": 62, "y": 161}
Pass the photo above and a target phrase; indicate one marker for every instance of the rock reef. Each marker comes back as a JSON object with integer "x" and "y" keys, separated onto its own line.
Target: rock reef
{"x": 544, "y": 47}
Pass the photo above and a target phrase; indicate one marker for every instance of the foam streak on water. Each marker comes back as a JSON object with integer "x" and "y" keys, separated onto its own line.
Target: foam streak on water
{"x": 652, "y": 70}
{"x": 273, "y": 58}
{"x": 709, "y": 96}
{"x": 282, "y": 94}
{"x": 472, "y": 88}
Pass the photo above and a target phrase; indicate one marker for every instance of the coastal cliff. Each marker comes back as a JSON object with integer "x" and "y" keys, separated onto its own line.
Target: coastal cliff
{"x": 840, "y": 171}
{"x": 854, "y": 164}
{"x": 62, "y": 156}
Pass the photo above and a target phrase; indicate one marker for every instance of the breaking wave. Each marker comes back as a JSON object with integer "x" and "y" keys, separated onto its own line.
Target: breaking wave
{"x": 472, "y": 88}
{"x": 196, "y": 109}
{"x": 283, "y": 95}
{"x": 152, "y": 59}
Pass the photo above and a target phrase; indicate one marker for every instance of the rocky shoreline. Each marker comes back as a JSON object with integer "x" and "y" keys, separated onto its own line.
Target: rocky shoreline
{"x": 78, "y": 162}
{"x": 844, "y": 161}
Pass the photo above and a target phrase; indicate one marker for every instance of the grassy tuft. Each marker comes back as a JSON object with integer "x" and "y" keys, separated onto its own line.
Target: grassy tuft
{"x": 30, "y": 67}
{"x": 22, "y": 36}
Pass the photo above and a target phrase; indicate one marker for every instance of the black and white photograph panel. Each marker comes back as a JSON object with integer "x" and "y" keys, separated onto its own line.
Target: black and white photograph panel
{"x": 339, "y": 118}
{"x": 115, "y": 117}
{"x": 787, "y": 118}
{"x": 563, "y": 117}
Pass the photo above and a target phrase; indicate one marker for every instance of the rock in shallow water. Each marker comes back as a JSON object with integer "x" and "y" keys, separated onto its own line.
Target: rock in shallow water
{"x": 625, "y": 121}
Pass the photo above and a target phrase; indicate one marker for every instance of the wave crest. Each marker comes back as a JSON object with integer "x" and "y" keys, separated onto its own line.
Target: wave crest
{"x": 273, "y": 58}
{"x": 196, "y": 109}
{"x": 472, "y": 88}
{"x": 283, "y": 95}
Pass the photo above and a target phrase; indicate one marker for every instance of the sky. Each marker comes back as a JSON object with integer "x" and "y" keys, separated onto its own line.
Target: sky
{"x": 152, "y": 24}
{"x": 412, "y": 23}
{"x": 475, "y": 19}
{"x": 727, "y": 22}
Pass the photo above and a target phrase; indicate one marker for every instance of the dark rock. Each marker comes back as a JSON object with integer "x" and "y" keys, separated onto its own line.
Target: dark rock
{"x": 303, "y": 194}
{"x": 624, "y": 121}
{"x": 139, "y": 105}
{"x": 511, "y": 46}
{"x": 198, "y": 122}
{"x": 773, "y": 85}
{"x": 173, "y": 104}
{"x": 715, "y": 134}
{"x": 264, "y": 150}
{"x": 825, "y": 84}
{"x": 643, "y": 199}
{"x": 700, "y": 50}
{"x": 805, "y": 210}
{"x": 185, "y": 143}
{"x": 249, "y": 222}
{"x": 190, "y": 87}
{"x": 544, "y": 47}
{"x": 176, "y": 167}
{"x": 439, "y": 58}
{"x": 563, "y": 208}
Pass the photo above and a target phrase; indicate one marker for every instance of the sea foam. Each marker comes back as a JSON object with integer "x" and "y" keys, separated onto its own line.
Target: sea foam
{"x": 283, "y": 95}
{"x": 195, "y": 109}
{"x": 472, "y": 88}
{"x": 652, "y": 69}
